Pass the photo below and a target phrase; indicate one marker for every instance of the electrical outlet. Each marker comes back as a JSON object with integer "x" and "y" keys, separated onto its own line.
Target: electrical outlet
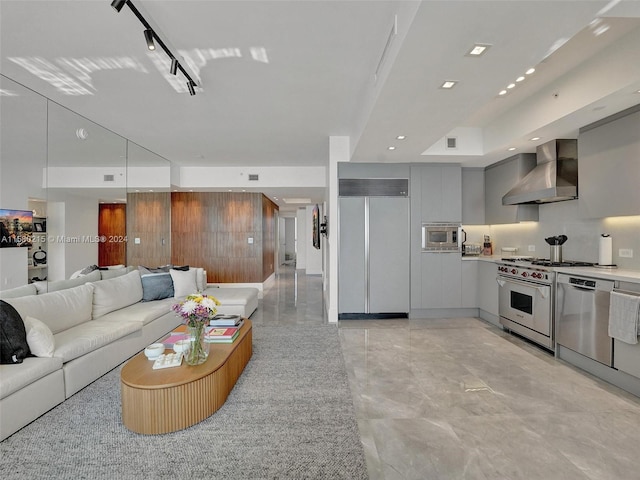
{"x": 625, "y": 252}
{"x": 532, "y": 248}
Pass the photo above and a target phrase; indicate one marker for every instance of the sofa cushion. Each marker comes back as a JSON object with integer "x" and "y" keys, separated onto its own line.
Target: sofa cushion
{"x": 114, "y": 272}
{"x": 156, "y": 286}
{"x": 116, "y": 293}
{"x": 59, "y": 310}
{"x": 89, "y": 336}
{"x": 142, "y": 312}
{"x": 184, "y": 282}
{"x": 14, "y": 378}
{"x": 232, "y": 295}
{"x": 13, "y": 335}
{"x": 39, "y": 337}
{"x": 57, "y": 285}
{"x": 22, "y": 291}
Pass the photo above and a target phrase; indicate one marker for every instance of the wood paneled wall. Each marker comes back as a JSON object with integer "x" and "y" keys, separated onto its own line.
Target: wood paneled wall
{"x": 149, "y": 219}
{"x": 269, "y": 225}
{"x": 112, "y": 226}
{"x": 212, "y": 230}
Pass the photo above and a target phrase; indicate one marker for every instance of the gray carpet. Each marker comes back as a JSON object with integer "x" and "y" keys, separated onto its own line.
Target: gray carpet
{"x": 290, "y": 415}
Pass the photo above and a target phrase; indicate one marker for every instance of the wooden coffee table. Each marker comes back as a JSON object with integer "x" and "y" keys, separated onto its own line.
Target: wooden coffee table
{"x": 171, "y": 399}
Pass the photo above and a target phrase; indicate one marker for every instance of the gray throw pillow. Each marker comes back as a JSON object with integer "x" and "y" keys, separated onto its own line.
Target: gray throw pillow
{"x": 156, "y": 286}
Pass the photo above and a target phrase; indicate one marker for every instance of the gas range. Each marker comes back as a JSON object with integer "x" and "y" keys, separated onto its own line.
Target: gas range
{"x": 535, "y": 269}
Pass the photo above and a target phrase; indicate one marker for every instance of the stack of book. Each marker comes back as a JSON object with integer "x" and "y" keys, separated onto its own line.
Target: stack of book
{"x": 223, "y": 328}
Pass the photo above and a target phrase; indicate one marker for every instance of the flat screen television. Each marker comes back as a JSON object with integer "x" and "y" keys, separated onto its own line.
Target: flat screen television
{"x": 16, "y": 227}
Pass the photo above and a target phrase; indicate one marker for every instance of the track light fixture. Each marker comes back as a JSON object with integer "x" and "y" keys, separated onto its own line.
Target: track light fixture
{"x": 148, "y": 36}
{"x": 152, "y": 37}
{"x": 118, "y": 4}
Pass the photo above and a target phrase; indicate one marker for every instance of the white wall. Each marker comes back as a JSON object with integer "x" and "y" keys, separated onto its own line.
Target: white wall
{"x": 290, "y": 237}
{"x": 303, "y": 238}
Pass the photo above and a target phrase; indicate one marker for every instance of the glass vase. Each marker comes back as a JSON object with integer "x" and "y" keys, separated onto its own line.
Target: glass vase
{"x": 199, "y": 349}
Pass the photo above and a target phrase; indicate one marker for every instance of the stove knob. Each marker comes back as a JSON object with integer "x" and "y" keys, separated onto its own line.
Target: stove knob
{"x": 525, "y": 274}
{"x": 514, "y": 271}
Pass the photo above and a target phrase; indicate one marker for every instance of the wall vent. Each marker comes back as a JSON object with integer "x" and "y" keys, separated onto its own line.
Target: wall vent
{"x": 253, "y": 177}
{"x": 373, "y": 187}
{"x": 452, "y": 142}
{"x": 109, "y": 178}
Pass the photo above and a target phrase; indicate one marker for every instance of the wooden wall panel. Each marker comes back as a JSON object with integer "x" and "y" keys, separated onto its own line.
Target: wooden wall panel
{"x": 268, "y": 237}
{"x": 149, "y": 219}
{"x": 112, "y": 226}
{"x": 211, "y": 230}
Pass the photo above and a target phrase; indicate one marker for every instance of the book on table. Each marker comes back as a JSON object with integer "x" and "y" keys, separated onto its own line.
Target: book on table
{"x": 224, "y": 320}
{"x": 221, "y": 335}
{"x": 173, "y": 337}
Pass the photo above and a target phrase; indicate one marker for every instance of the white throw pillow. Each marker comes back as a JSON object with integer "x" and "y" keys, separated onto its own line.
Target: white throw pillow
{"x": 39, "y": 337}
{"x": 184, "y": 282}
{"x": 116, "y": 293}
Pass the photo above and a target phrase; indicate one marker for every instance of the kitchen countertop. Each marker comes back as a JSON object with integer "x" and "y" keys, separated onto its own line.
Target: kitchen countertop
{"x": 620, "y": 274}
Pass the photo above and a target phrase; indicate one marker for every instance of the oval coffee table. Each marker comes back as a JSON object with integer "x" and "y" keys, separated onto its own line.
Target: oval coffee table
{"x": 171, "y": 399}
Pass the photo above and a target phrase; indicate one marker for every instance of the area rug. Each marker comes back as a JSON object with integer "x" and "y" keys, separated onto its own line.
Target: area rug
{"x": 290, "y": 415}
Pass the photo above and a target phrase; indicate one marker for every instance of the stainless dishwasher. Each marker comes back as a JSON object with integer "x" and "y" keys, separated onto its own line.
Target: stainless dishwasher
{"x": 582, "y": 316}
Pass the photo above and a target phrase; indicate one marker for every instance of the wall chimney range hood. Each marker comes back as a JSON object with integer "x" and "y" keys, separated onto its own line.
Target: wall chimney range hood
{"x": 554, "y": 179}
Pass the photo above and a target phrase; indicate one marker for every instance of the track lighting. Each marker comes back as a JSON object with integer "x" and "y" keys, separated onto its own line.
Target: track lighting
{"x": 148, "y": 36}
{"x": 118, "y": 4}
{"x": 153, "y": 37}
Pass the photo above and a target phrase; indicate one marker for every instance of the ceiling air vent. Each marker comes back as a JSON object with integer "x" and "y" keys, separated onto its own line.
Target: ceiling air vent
{"x": 452, "y": 142}
{"x": 109, "y": 178}
{"x": 253, "y": 177}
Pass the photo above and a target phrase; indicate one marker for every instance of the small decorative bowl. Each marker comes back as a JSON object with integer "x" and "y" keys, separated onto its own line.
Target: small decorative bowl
{"x": 182, "y": 346}
{"x": 154, "y": 350}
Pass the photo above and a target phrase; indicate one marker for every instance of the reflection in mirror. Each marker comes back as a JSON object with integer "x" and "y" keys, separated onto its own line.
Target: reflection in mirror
{"x": 86, "y": 169}
{"x": 23, "y": 156}
{"x": 148, "y": 208}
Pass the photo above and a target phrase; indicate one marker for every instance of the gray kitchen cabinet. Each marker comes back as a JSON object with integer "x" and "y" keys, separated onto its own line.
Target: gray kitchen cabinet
{"x": 473, "y": 196}
{"x": 501, "y": 177}
{"x": 441, "y": 280}
{"x": 469, "y": 291}
{"x": 440, "y": 192}
{"x": 488, "y": 289}
{"x": 609, "y": 166}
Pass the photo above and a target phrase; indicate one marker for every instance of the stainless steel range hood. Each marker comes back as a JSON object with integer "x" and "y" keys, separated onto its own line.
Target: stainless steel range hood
{"x": 554, "y": 179}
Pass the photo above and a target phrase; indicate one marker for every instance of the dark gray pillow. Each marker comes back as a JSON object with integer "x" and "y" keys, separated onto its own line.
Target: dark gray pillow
{"x": 13, "y": 335}
{"x": 156, "y": 286}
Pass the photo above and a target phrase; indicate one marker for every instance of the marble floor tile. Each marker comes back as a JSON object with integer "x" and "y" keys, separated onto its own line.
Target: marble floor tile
{"x": 443, "y": 399}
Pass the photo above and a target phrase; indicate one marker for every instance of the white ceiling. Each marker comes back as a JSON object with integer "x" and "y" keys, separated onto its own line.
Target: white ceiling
{"x": 279, "y": 77}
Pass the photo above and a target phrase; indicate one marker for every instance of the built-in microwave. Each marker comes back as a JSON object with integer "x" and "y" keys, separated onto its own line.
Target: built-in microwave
{"x": 441, "y": 237}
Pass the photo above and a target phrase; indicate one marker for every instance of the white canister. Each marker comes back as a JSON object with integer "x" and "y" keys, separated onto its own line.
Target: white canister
{"x": 605, "y": 255}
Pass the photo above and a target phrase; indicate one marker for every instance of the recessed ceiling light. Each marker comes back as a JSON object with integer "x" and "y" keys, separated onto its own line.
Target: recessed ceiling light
{"x": 448, "y": 84}
{"x": 530, "y": 71}
{"x": 296, "y": 200}
{"x": 511, "y": 149}
{"x": 478, "y": 49}
{"x": 391, "y": 148}
{"x": 401, "y": 137}
{"x": 519, "y": 79}
{"x": 511, "y": 85}
{"x": 534, "y": 139}
{"x": 502, "y": 92}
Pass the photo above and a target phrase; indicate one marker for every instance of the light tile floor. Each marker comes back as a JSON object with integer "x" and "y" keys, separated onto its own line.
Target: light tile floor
{"x": 461, "y": 399}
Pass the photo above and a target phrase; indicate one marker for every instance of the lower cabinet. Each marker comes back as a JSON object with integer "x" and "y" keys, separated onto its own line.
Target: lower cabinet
{"x": 488, "y": 287}
{"x": 469, "y": 291}
{"x": 441, "y": 280}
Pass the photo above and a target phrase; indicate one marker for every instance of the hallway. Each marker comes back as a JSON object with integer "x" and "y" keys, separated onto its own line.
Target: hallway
{"x": 460, "y": 399}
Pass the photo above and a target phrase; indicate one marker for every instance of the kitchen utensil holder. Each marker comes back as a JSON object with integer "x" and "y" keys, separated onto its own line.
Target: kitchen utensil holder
{"x": 555, "y": 253}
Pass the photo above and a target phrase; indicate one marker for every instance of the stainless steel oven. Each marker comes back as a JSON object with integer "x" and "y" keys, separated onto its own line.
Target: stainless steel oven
{"x": 441, "y": 237}
{"x": 525, "y": 302}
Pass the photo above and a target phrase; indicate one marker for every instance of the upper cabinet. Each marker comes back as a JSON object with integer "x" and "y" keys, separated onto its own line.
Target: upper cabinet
{"x": 499, "y": 178}
{"x": 609, "y": 166}
{"x": 473, "y": 196}
{"x": 440, "y": 188}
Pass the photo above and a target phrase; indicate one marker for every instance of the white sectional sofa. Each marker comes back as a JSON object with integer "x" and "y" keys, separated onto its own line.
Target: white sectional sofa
{"x": 95, "y": 326}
